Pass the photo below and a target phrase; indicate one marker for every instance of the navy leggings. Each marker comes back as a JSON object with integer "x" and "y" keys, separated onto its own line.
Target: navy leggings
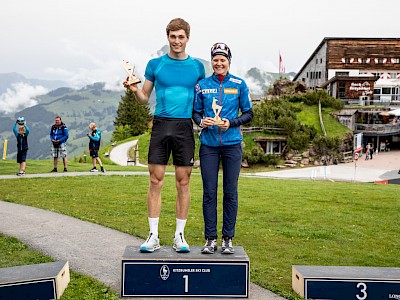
{"x": 210, "y": 158}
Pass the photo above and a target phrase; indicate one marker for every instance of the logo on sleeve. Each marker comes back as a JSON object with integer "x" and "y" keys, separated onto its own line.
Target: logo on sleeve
{"x": 238, "y": 81}
{"x": 230, "y": 91}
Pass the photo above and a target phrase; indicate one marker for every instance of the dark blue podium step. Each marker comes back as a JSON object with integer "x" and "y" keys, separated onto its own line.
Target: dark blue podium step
{"x": 166, "y": 273}
{"x": 39, "y": 281}
{"x": 346, "y": 283}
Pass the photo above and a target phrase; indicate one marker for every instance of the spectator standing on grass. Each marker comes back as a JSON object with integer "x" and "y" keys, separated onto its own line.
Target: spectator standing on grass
{"x": 58, "y": 138}
{"x": 94, "y": 146}
{"x": 21, "y": 132}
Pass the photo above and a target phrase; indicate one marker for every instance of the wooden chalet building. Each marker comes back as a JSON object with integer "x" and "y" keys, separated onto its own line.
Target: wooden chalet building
{"x": 363, "y": 71}
{"x": 356, "y": 70}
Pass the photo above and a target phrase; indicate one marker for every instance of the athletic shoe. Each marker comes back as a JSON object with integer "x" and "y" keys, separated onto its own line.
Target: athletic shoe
{"x": 54, "y": 170}
{"x": 180, "y": 244}
{"x": 94, "y": 169}
{"x": 21, "y": 173}
{"x": 227, "y": 247}
{"x": 210, "y": 247}
{"x": 102, "y": 169}
{"x": 151, "y": 244}
{"x": 65, "y": 170}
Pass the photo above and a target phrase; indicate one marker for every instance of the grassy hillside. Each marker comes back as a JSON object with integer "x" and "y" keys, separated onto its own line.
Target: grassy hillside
{"x": 309, "y": 116}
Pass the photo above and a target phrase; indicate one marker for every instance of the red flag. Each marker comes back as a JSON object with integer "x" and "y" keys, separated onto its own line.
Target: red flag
{"x": 281, "y": 65}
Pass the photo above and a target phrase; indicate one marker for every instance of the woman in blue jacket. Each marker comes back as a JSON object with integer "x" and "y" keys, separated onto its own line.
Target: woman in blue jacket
{"x": 221, "y": 105}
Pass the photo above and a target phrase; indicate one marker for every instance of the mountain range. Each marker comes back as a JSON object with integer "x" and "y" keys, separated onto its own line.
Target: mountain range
{"x": 79, "y": 107}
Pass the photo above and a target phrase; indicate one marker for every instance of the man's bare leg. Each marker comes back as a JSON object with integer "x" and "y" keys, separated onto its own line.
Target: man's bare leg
{"x": 182, "y": 181}
{"x": 157, "y": 173}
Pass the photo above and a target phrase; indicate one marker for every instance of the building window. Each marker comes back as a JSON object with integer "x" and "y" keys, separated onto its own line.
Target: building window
{"x": 342, "y": 73}
{"x": 321, "y": 61}
{"x": 307, "y": 74}
{"x": 342, "y": 90}
{"x": 316, "y": 60}
{"x": 386, "y": 91}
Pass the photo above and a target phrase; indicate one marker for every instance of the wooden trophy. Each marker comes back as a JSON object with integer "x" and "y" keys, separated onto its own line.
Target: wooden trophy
{"x": 132, "y": 79}
{"x": 217, "y": 110}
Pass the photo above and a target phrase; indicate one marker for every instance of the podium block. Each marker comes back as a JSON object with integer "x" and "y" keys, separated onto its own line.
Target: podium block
{"x": 40, "y": 281}
{"x": 166, "y": 273}
{"x": 345, "y": 283}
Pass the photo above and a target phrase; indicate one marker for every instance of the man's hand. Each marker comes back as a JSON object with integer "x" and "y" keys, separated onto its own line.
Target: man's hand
{"x": 133, "y": 87}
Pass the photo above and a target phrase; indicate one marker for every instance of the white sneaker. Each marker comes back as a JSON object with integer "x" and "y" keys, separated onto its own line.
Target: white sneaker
{"x": 151, "y": 244}
{"x": 180, "y": 244}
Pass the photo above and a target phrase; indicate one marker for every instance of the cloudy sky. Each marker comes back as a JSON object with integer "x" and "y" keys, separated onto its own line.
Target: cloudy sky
{"x": 85, "y": 41}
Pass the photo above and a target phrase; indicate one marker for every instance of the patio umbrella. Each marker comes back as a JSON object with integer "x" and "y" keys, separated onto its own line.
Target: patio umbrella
{"x": 384, "y": 113}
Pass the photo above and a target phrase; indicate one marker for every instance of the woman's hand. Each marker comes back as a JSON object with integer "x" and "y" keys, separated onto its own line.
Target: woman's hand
{"x": 207, "y": 122}
{"x": 225, "y": 125}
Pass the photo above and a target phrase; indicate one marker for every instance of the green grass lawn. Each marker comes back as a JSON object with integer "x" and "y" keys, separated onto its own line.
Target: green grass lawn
{"x": 280, "y": 222}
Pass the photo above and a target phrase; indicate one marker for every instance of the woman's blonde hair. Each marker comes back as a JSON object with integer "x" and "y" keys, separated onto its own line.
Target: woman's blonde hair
{"x": 92, "y": 125}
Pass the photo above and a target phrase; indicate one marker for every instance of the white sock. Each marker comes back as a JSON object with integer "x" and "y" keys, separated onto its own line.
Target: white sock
{"x": 180, "y": 226}
{"x": 153, "y": 223}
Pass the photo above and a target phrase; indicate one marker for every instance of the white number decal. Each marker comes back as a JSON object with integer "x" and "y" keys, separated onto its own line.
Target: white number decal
{"x": 186, "y": 277}
{"x": 363, "y": 290}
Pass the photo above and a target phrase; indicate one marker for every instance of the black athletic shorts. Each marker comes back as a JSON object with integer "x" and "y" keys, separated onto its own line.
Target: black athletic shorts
{"x": 21, "y": 155}
{"x": 94, "y": 153}
{"x": 171, "y": 135}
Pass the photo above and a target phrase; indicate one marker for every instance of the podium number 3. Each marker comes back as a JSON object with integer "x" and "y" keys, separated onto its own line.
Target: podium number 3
{"x": 186, "y": 277}
{"x": 363, "y": 289}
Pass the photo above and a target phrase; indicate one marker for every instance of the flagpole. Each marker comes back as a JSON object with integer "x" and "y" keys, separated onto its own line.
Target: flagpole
{"x": 279, "y": 70}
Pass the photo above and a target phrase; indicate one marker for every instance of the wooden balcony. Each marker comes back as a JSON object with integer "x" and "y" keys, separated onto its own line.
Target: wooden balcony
{"x": 379, "y": 129}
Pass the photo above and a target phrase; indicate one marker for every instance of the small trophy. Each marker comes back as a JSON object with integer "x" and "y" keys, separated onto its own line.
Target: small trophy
{"x": 217, "y": 110}
{"x": 132, "y": 79}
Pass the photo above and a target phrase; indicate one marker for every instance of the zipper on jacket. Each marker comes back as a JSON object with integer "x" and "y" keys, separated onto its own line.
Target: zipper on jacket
{"x": 221, "y": 78}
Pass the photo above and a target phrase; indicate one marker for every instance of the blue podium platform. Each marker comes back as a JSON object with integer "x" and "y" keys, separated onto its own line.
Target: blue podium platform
{"x": 346, "y": 283}
{"x": 39, "y": 282}
{"x": 166, "y": 273}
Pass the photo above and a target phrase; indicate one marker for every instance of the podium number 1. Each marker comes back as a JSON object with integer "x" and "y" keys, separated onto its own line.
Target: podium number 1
{"x": 363, "y": 289}
{"x": 186, "y": 277}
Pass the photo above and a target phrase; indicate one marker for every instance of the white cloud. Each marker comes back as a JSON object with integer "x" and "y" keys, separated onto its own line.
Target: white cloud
{"x": 20, "y": 96}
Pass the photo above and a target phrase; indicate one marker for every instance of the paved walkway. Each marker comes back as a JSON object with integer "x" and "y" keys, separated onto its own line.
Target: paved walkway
{"x": 383, "y": 166}
{"x": 120, "y": 153}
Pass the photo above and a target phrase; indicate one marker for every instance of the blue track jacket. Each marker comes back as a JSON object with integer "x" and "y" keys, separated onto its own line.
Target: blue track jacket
{"x": 233, "y": 95}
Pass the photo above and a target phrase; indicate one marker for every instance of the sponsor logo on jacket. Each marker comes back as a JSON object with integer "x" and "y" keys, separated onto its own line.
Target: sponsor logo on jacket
{"x": 232, "y": 91}
{"x": 209, "y": 91}
{"x": 238, "y": 81}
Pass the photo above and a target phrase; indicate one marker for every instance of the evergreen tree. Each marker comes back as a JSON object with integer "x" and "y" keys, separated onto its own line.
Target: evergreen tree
{"x": 132, "y": 118}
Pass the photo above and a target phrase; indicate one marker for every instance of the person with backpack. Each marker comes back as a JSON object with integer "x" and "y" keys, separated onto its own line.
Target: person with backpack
{"x": 222, "y": 104}
{"x": 58, "y": 138}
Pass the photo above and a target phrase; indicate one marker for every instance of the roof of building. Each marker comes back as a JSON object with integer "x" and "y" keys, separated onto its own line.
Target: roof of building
{"x": 339, "y": 38}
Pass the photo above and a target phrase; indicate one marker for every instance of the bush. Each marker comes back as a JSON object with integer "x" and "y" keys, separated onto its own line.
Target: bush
{"x": 257, "y": 156}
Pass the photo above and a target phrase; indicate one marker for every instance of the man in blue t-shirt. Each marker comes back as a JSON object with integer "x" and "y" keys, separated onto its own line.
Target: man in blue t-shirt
{"x": 174, "y": 76}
